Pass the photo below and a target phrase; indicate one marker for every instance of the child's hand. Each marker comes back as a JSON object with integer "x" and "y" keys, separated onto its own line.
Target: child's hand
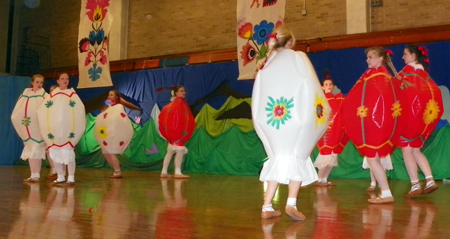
{"x": 137, "y": 119}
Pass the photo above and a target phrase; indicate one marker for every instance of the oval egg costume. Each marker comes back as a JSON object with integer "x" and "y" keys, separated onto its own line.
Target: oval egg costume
{"x": 62, "y": 122}
{"x": 25, "y": 121}
{"x": 372, "y": 113}
{"x": 290, "y": 114}
{"x": 113, "y": 130}
{"x": 334, "y": 139}
{"x": 423, "y": 107}
{"x": 176, "y": 122}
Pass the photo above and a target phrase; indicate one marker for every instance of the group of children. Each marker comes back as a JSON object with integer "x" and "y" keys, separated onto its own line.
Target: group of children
{"x": 379, "y": 113}
{"x": 50, "y": 126}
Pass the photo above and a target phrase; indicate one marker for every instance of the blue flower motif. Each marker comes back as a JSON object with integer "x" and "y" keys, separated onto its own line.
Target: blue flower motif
{"x": 261, "y": 31}
{"x": 100, "y": 36}
{"x": 278, "y": 111}
{"x": 92, "y": 37}
{"x": 94, "y": 72}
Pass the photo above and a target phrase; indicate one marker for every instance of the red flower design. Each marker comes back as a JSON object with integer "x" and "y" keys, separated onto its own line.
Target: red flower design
{"x": 248, "y": 53}
{"x": 279, "y": 111}
{"x": 96, "y": 9}
{"x": 88, "y": 60}
{"x": 103, "y": 58}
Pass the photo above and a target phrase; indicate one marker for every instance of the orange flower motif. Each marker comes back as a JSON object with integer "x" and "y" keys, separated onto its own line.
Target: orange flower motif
{"x": 246, "y": 31}
{"x": 248, "y": 53}
{"x": 362, "y": 111}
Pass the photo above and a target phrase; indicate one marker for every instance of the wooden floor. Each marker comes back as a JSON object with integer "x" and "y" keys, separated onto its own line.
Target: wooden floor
{"x": 141, "y": 205}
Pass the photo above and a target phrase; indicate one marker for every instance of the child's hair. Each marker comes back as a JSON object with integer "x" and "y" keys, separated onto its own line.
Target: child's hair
{"x": 53, "y": 87}
{"x": 327, "y": 77}
{"x": 36, "y": 76}
{"x": 174, "y": 89}
{"x": 421, "y": 55}
{"x": 281, "y": 37}
{"x": 379, "y": 51}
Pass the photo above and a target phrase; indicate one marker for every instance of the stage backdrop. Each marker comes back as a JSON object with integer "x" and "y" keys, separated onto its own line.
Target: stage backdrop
{"x": 214, "y": 91}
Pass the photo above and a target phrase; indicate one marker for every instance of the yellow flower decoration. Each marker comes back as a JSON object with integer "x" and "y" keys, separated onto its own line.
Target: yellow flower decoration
{"x": 320, "y": 112}
{"x": 362, "y": 111}
{"x": 102, "y": 131}
{"x": 396, "y": 109}
{"x": 431, "y": 112}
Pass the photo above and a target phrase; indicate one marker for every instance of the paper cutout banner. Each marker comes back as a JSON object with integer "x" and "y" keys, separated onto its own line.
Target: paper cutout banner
{"x": 255, "y": 19}
{"x": 93, "y": 58}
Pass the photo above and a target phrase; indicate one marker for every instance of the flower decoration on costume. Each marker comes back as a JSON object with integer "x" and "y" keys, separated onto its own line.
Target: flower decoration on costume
{"x": 362, "y": 111}
{"x": 71, "y": 135}
{"x": 431, "y": 112}
{"x": 389, "y": 52}
{"x": 26, "y": 121}
{"x": 278, "y": 111}
{"x": 50, "y": 136}
{"x": 72, "y": 103}
{"x": 319, "y": 106}
{"x": 257, "y": 37}
{"x": 48, "y": 104}
{"x": 96, "y": 44}
{"x": 396, "y": 109}
{"x": 102, "y": 131}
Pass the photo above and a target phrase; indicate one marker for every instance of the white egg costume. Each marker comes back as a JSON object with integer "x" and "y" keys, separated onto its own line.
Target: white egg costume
{"x": 113, "y": 130}
{"x": 25, "y": 121}
{"x": 62, "y": 122}
{"x": 290, "y": 114}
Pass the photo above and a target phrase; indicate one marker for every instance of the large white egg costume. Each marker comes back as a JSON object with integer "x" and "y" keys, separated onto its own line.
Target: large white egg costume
{"x": 113, "y": 130}
{"x": 62, "y": 122}
{"x": 25, "y": 122}
{"x": 290, "y": 114}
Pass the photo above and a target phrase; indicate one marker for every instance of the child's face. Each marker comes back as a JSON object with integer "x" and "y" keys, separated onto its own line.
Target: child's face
{"x": 63, "y": 81}
{"x": 112, "y": 96}
{"x": 328, "y": 86}
{"x": 181, "y": 93}
{"x": 408, "y": 57}
{"x": 37, "y": 83}
{"x": 373, "y": 60}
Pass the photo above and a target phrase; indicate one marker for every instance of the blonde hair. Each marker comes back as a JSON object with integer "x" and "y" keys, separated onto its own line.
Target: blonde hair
{"x": 36, "y": 76}
{"x": 281, "y": 37}
{"x": 380, "y": 52}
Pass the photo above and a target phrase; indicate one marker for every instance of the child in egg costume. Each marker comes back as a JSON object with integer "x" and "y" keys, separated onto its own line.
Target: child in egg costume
{"x": 25, "y": 122}
{"x": 62, "y": 122}
{"x": 290, "y": 114}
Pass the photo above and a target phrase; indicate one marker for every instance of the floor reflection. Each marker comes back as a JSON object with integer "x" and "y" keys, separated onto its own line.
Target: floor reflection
{"x": 421, "y": 219}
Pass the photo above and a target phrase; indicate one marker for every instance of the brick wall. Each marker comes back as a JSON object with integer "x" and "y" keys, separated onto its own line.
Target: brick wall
{"x": 202, "y": 25}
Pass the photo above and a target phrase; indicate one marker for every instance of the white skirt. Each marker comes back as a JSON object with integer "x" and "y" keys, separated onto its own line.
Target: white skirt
{"x": 386, "y": 163}
{"x": 323, "y": 161}
{"x": 285, "y": 168}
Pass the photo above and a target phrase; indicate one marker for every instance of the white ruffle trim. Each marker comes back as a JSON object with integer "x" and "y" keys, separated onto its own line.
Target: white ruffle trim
{"x": 323, "y": 161}
{"x": 177, "y": 149}
{"x": 63, "y": 156}
{"x": 285, "y": 168}
{"x": 35, "y": 151}
{"x": 386, "y": 163}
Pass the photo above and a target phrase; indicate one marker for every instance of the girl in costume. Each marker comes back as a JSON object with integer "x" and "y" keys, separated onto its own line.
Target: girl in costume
{"x": 334, "y": 140}
{"x": 372, "y": 117}
{"x": 287, "y": 97}
{"x": 24, "y": 119}
{"x": 176, "y": 124}
{"x": 113, "y": 130}
{"x": 62, "y": 122}
{"x": 423, "y": 109}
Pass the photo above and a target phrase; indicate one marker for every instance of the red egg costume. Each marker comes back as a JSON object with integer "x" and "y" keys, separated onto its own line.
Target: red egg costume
{"x": 334, "y": 139}
{"x": 176, "y": 122}
{"x": 372, "y": 113}
{"x": 423, "y": 107}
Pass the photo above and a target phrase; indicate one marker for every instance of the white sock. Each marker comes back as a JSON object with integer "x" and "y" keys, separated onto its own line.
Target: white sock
{"x": 385, "y": 194}
{"x": 61, "y": 178}
{"x": 373, "y": 184}
{"x": 35, "y": 175}
{"x": 71, "y": 178}
{"x": 268, "y": 208}
{"x": 292, "y": 202}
